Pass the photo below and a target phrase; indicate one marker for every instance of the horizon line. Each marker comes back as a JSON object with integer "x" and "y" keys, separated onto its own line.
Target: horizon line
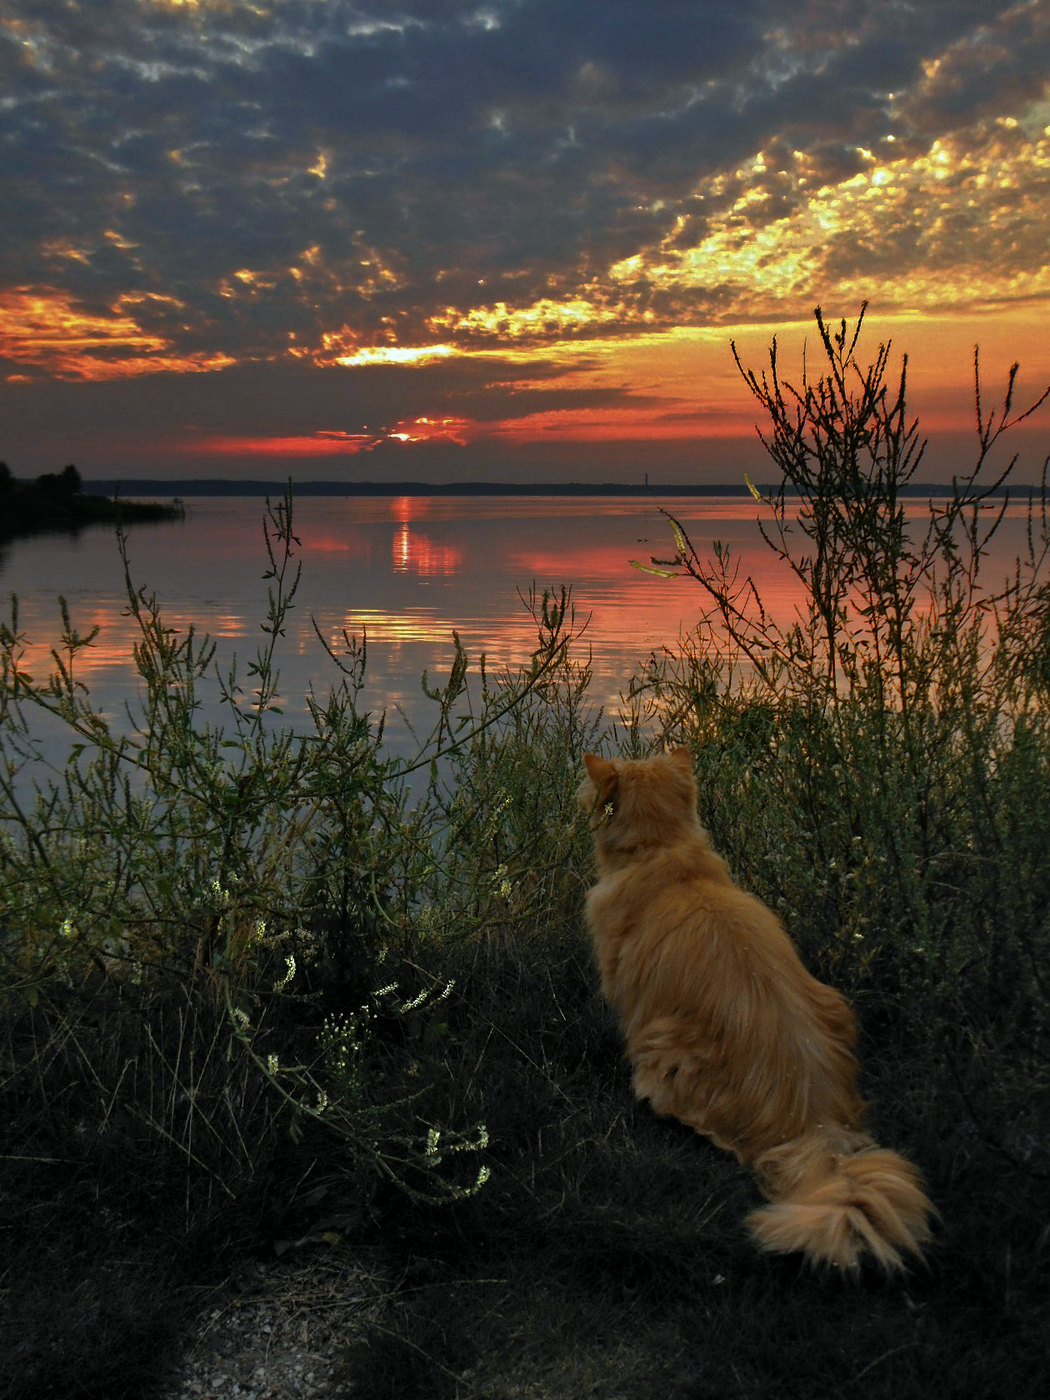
{"x": 226, "y": 486}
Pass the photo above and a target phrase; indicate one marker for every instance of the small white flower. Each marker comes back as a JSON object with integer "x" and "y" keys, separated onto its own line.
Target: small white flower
{"x": 289, "y": 963}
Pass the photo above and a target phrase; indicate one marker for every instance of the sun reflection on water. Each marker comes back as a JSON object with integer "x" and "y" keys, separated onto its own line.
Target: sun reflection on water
{"x": 416, "y": 553}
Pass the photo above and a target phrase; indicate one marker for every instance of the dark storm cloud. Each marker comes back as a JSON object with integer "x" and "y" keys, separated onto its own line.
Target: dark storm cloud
{"x": 1005, "y": 63}
{"x": 262, "y": 177}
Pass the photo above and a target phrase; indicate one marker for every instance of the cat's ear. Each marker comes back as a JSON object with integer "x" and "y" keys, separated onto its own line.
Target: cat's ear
{"x": 603, "y": 775}
{"x": 598, "y": 768}
{"x": 683, "y": 758}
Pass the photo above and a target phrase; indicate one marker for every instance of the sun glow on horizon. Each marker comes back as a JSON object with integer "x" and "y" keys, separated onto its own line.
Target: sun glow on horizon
{"x": 320, "y": 444}
{"x": 331, "y": 442}
{"x": 426, "y": 429}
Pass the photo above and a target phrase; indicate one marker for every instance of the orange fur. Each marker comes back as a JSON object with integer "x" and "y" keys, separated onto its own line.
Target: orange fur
{"x": 727, "y": 1031}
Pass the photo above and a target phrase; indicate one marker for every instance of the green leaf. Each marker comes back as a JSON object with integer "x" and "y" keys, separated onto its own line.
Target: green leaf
{"x": 651, "y": 569}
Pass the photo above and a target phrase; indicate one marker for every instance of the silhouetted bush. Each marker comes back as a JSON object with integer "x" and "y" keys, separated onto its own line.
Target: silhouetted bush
{"x": 55, "y": 501}
{"x": 61, "y": 484}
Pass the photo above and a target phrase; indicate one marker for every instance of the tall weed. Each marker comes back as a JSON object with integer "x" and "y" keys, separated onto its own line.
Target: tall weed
{"x": 878, "y": 766}
{"x": 211, "y": 934}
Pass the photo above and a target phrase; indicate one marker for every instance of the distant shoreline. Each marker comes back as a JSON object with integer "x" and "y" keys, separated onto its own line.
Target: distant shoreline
{"x": 201, "y": 486}
{"x": 56, "y": 503}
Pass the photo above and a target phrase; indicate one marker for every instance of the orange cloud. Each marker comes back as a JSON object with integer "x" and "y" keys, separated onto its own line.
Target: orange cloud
{"x": 47, "y": 327}
{"x": 427, "y": 429}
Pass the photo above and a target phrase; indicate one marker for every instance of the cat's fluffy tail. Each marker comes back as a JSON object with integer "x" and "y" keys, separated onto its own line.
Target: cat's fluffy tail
{"x": 838, "y": 1206}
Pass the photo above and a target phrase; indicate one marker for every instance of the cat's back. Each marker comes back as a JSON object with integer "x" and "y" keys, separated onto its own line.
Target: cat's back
{"x": 658, "y": 882}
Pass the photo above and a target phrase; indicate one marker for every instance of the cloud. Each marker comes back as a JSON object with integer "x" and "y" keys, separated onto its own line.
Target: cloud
{"x": 269, "y": 399}
{"x": 262, "y": 189}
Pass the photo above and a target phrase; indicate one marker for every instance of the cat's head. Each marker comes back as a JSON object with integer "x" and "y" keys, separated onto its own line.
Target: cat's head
{"x": 639, "y": 803}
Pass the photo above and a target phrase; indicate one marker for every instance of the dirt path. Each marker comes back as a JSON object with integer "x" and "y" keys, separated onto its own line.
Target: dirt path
{"x": 278, "y": 1331}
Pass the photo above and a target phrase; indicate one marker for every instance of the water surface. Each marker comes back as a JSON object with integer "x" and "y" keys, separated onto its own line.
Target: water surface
{"x": 404, "y": 571}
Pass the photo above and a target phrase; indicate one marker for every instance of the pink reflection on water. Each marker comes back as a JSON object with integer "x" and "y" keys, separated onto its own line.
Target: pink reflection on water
{"x": 416, "y": 553}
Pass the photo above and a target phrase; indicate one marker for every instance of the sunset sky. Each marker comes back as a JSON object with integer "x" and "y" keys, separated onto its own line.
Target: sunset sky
{"x": 504, "y": 239}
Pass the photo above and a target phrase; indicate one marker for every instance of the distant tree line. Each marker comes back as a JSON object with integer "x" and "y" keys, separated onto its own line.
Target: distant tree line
{"x": 56, "y": 501}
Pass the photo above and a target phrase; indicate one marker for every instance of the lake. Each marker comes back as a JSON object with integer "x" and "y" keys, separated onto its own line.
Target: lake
{"x": 405, "y": 571}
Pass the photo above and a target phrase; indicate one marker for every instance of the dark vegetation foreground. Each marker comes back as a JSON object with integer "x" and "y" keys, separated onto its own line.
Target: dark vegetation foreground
{"x": 270, "y": 995}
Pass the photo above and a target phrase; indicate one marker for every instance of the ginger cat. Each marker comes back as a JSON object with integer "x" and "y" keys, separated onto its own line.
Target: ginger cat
{"x": 729, "y": 1033}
